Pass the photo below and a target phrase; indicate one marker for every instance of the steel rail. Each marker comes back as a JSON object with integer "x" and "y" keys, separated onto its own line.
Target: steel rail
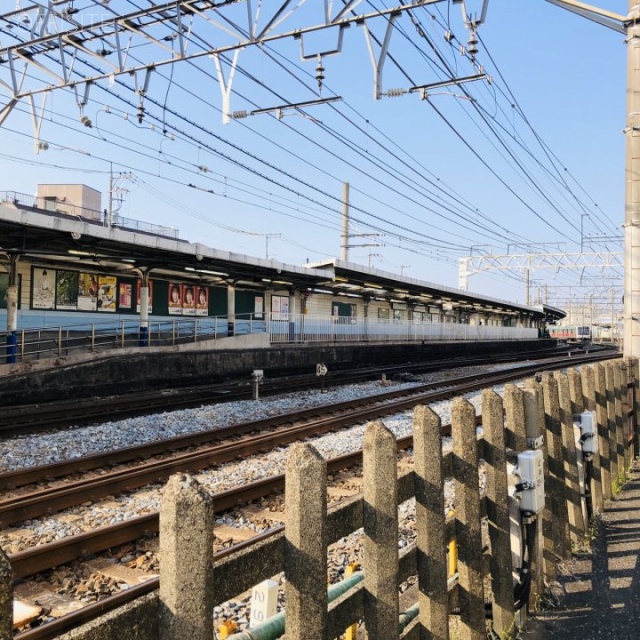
{"x": 31, "y": 475}
{"x": 54, "y": 499}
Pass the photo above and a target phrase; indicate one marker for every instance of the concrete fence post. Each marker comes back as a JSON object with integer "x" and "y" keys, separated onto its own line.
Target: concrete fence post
{"x": 515, "y": 433}
{"x": 618, "y": 376}
{"x": 556, "y": 478}
{"x": 575, "y": 392}
{"x": 433, "y": 598}
{"x": 6, "y": 598}
{"x": 595, "y": 402}
{"x": 570, "y": 456}
{"x": 532, "y": 402}
{"x": 627, "y": 391}
{"x": 186, "y": 561}
{"x": 636, "y": 406}
{"x": 497, "y": 492}
{"x": 612, "y": 431}
{"x": 535, "y": 423}
{"x": 468, "y": 534}
{"x": 381, "y": 606}
{"x": 305, "y": 564}
{"x": 536, "y": 428}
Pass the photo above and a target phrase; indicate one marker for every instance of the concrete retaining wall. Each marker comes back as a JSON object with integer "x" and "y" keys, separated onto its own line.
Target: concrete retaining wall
{"x": 146, "y": 369}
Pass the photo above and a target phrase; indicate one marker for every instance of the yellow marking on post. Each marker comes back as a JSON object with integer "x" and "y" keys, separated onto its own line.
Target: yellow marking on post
{"x": 453, "y": 557}
{"x": 227, "y": 628}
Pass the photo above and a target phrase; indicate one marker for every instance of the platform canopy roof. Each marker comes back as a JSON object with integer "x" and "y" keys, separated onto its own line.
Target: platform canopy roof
{"x": 354, "y": 279}
{"x": 61, "y": 239}
{"x": 56, "y": 238}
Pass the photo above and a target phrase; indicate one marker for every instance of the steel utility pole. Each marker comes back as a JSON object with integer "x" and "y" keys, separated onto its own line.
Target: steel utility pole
{"x": 345, "y": 223}
{"x": 629, "y": 25}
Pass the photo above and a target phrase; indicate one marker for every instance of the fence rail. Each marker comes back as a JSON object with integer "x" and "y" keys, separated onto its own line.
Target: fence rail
{"x": 324, "y": 328}
{"x": 54, "y": 342}
{"x": 191, "y": 585}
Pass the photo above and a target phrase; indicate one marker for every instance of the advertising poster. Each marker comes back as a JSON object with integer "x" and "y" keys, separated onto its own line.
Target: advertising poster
{"x": 202, "y": 301}
{"x": 66, "y": 290}
{"x": 259, "y": 307}
{"x": 275, "y": 307}
{"x": 87, "y": 292}
{"x": 124, "y": 296}
{"x": 107, "y": 294}
{"x": 279, "y": 307}
{"x": 175, "y": 298}
{"x": 138, "y": 285}
{"x": 43, "y": 288}
{"x": 189, "y": 300}
{"x": 284, "y": 307}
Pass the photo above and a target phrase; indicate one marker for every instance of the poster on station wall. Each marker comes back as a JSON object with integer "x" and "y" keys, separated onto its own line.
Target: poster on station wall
{"x": 67, "y": 290}
{"x": 87, "y": 292}
{"x": 107, "y": 292}
{"x": 43, "y": 282}
{"x": 188, "y": 300}
{"x": 202, "y": 301}
{"x": 259, "y": 308}
{"x": 279, "y": 307}
{"x": 124, "y": 295}
{"x": 175, "y": 298}
{"x": 138, "y": 285}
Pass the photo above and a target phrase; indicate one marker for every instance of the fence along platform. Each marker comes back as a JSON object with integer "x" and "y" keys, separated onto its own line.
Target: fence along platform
{"x": 191, "y": 585}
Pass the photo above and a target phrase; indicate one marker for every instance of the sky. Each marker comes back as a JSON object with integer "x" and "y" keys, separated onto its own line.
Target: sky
{"x": 521, "y": 160}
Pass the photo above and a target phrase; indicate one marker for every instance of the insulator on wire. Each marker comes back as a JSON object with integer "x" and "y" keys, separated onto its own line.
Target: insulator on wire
{"x": 472, "y": 45}
{"x": 319, "y": 74}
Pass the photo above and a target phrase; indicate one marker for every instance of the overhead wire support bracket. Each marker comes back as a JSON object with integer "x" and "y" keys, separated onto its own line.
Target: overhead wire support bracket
{"x": 424, "y": 88}
{"x": 237, "y": 115}
{"x": 46, "y": 59}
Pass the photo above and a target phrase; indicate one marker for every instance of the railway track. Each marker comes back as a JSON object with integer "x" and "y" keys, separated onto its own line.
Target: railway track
{"x": 44, "y": 557}
{"x": 303, "y": 424}
{"x": 25, "y": 419}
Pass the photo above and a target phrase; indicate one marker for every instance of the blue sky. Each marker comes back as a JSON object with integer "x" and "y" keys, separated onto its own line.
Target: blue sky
{"x": 263, "y": 176}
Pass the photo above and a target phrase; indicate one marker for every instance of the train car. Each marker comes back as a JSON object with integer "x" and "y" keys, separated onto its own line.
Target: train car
{"x": 571, "y": 332}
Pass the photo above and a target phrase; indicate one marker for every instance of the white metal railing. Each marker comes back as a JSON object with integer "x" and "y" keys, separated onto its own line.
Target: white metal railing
{"x": 50, "y": 342}
{"x": 316, "y": 328}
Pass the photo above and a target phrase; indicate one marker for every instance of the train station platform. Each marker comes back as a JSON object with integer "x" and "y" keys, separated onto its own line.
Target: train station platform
{"x": 152, "y": 368}
{"x": 600, "y": 590}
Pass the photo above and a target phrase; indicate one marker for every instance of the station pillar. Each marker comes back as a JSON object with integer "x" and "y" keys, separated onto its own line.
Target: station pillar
{"x": 12, "y": 312}
{"x": 231, "y": 311}
{"x": 367, "y": 302}
{"x": 143, "y": 338}
{"x": 292, "y": 316}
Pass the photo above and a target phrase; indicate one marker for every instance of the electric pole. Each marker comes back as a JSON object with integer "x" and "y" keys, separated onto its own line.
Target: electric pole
{"x": 628, "y": 25}
{"x": 266, "y": 237}
{"x": 344, "y": 256}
